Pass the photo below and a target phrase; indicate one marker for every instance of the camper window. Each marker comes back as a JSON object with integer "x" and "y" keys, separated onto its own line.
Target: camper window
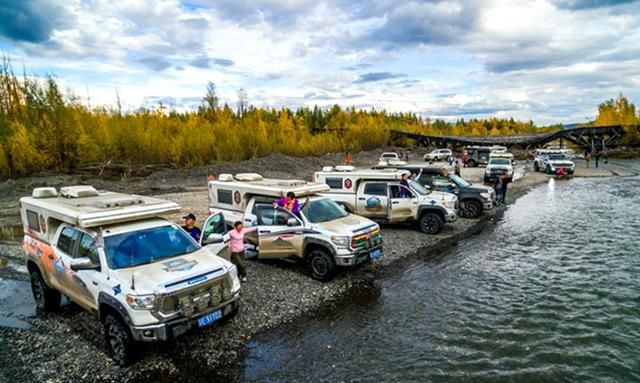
{"x": 225, "y": 196}
{"x": 334, "y": 183}
{"x": 32, "y": 220}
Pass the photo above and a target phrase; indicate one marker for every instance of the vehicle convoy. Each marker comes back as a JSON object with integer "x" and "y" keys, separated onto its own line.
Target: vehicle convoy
{"x": 499, "y": 164}
{"x": 438, "y": 155}
{"x": 112, "y": 254}
{"x": 379, "y": 195}
{"x": 322, "y": 235}
{"x": 473, "y": 198}
{"x": 550, "y": 161}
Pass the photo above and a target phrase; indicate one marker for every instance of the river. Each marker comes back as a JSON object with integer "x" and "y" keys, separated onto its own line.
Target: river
{"x": 550, "y": 293}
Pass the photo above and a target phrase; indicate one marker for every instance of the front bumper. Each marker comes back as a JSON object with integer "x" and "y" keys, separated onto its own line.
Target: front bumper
{"x": 176, "y": 327}
{"x": 487, "y": 205}
{"x": 451, "y": 216}
{"x": 356, "y": 257}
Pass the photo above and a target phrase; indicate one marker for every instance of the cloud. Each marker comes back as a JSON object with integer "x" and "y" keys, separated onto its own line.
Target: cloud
{"x": 205, "y": 63}
{"x": 588, "y": 4}
{"x": 30, "y": 21}
{"x": 377, "y": 76}
{"x": 157, "y": 64}
{"x": 223, "y": 62}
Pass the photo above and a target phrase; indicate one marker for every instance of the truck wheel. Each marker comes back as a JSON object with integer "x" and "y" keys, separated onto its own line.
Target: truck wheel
{"x": 119, "y": 341}
{"x": 472, "y": 209}
{"x": 472, "y": 163}
{"x": 431, "y": 223}
{"x": 47, "y": 299}
{"x": 321, "y": 265}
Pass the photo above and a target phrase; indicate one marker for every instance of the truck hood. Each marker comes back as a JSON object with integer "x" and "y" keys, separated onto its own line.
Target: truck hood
{"x": 349, "y": 224}
{"x": 173, "y": 273}
{"x": 565, "y": 163}
{"x": 500, "y": 167}
{"x": 438, "y": 196}
{"x": 479, "y": 188}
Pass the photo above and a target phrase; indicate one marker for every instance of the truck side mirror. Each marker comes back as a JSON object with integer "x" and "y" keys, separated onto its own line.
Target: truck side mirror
{"x": 292, "y": 222}
{"x": 213, "y": 238}
{"x": 83, "y": 263}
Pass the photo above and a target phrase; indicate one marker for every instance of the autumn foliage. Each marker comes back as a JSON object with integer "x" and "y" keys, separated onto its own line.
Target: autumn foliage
{"x": 620, "y": 112}
{"x": 41, "y": 128}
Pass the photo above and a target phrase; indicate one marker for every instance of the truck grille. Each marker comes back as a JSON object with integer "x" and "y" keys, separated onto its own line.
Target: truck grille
{"x": 366, "y": 240}
{"x": 194, "y": 300}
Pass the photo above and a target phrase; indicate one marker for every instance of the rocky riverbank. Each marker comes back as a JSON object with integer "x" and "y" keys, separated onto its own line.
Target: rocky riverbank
{"x": 68, "y": 345}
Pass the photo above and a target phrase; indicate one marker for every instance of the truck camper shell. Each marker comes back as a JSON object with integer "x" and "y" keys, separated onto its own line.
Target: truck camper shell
{"x": 234, "y": 192}
{"x": 86, "y": 207}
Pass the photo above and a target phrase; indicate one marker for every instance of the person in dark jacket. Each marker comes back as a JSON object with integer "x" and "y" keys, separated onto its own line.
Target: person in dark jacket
{"x": 190, "y": 226}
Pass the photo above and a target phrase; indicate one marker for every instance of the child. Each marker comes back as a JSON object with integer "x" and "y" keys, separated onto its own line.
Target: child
{"x": 236, "y": 236}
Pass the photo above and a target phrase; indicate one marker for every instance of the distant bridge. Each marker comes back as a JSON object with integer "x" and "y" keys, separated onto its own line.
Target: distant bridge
{"x": 588, "y": 138}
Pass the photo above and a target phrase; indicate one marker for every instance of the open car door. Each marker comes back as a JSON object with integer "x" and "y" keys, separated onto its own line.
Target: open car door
{"x": 213, "y": 235}
{"x": 280, "y": 233}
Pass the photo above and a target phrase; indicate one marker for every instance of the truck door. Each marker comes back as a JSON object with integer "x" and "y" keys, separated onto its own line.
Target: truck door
{"x": 403, "y": 203}
{"x": 73, "y": 244}
{"x": 372, "y": 200}
{"x": 280, "y": 233}
{"x": 213, "y": 232}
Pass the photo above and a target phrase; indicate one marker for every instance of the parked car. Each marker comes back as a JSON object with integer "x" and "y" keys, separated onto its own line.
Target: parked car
{"x": 499, "y": 164}
{"x": 473, "y": 198}
{"x": 551, "y": 161}
{"x": 389, "y": 156}
{"x": 378, "y": 194}
{"x": 323, "y": 235}
{"x": 111, "y": 253}
{"x": 438, "y": 155}
{"x": 477, "y": 155}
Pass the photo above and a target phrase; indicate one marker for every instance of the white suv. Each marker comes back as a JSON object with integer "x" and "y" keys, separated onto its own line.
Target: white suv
{"x": 438, "y": 155}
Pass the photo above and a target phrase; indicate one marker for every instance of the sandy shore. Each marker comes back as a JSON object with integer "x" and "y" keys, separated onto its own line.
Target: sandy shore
{"x": 68, "y": 345}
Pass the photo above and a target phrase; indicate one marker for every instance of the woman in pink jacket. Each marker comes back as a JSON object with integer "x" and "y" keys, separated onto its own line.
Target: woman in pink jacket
{"x": 236, "y": 244}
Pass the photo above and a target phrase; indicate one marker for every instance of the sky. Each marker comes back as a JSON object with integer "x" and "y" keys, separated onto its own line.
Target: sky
{"x": 550, "y": 61}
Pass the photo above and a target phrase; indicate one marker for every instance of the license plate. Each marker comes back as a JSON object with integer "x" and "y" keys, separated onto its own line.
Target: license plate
{"x": 206, "y": 320}
{"x": 375, "y": 254}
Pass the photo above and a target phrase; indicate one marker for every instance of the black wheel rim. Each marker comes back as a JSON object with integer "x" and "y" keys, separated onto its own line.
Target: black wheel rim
{"x": 117, "y": 342}
{"x": 430, "y": 224}
{"x": 38, "y": 292}
{"x": 471, "y": 210}
{"x": 319, "y": 266}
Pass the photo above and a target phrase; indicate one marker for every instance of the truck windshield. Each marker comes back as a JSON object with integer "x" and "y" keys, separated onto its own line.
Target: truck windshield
{"x": 322, "y": 210}
{"x": 557, "y": 157}
{"x": 500, "y": 161}
{"x": 460, "y": 182}
{"x": 415, "y": 186}
{"x": 146, "y": 246}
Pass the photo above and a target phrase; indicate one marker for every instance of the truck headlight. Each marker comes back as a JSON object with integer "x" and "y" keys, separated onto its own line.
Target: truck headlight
{"x": 141, "y": 302}
{"x": 235, "y": 281}
{"x": 485, "y": 195}
{"x": 340, "y": 240}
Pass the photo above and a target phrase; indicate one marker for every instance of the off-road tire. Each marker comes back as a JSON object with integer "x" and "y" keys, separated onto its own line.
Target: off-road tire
{"x": 47, "y": 299}
{"x": 121, "y": 346}
{"x": 472, "y": 209}
{"x": 321, "y": 265}
{"x": 431, "y": 223}
{"x": 472, "y": 163}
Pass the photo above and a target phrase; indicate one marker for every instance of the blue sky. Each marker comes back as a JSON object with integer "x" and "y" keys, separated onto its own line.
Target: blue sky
{"x": 546, "y": 60}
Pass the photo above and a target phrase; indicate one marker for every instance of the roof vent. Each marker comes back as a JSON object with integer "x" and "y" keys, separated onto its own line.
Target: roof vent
{"x": 80, "y": 191}
{"x": 248, "y": 177}
{"x": 125, "y": 200}
{"x": 48, "y": 192}
{"x": 225, "y": 177}
{"x": 345, "y": 168}
{"x": 327, "y": 168}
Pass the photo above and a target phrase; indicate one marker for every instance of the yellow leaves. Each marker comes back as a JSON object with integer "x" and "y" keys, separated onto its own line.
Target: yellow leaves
{"x": 24, "y": 156}
{"x": 5, "y": 169}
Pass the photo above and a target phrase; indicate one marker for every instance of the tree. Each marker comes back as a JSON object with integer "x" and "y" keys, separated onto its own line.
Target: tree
{"x": 211, "y": 99}
{"x": 243, "y": 101}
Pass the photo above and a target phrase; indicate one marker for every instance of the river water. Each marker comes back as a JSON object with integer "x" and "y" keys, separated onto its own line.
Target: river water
{"x": 551, "y": 293}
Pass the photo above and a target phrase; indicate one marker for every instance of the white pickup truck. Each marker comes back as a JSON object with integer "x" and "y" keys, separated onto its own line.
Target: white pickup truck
{"x": 379, "y": 195}
{"x": 142, "y": 275}
{"x": 322, "y": 234}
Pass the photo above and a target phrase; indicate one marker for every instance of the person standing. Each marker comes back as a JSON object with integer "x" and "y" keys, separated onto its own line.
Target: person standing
{"x": 597, "y": 157}
{"x": 347, "y": 159}
{"x": 465, "y": 158}
{"x": 587, "y": 159}
{"x": 505, "y": 184}
{"x": 190, "y": 226}
{"x": 456, "y": 169}
{"x": 236, "y": 245}
{"x": 497, "y": 186}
